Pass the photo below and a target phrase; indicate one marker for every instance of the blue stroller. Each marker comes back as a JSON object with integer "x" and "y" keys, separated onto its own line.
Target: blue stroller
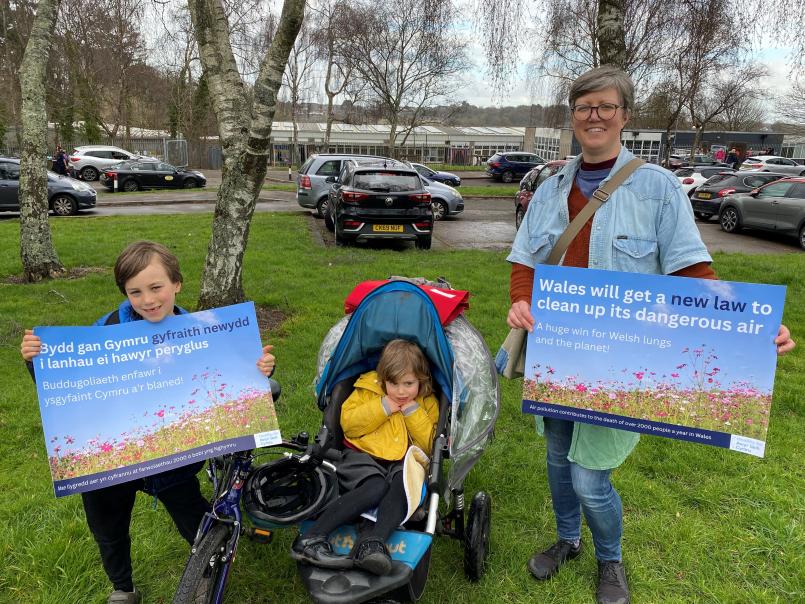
{"x": 466, "y": 385}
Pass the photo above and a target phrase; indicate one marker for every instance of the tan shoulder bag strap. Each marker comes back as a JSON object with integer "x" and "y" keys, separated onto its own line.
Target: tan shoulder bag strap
{"x": 599, "y": 197}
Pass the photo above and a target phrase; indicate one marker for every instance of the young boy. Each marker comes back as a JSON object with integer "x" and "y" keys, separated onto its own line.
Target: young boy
{"x": 147, "y": 273}
{"x": 389, "y": 410}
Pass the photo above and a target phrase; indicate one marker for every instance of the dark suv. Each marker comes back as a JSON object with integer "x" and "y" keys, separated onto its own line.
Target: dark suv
{"x": 379, "y": 199}
{"x": 507, "y": 166}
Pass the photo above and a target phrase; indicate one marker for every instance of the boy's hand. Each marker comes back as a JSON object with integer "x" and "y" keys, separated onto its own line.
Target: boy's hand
{"x": 783, "y": 341}
{"x": 31, "y": 345}
{"x": 267, "y": 362}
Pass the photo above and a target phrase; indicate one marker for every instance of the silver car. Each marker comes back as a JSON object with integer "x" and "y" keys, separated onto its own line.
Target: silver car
{"x": 445, "y": 200}
{"x": 773, "y": 163}
{"x": 89, "y": 161}
{"x": 778, "y": 207}
{"x": 312, "y": 188}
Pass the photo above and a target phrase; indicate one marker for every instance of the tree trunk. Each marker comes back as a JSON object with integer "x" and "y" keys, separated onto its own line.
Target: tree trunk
{"x": 39, "y": 258}
{"x": 611, "y": 37}
{"x": 244, "y": 133}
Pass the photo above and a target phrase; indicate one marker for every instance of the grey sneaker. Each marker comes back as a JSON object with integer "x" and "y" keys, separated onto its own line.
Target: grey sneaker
{"x": 125, "y": 597}
{"x": 612, "y": 585}
{"x": 545, "y": 565}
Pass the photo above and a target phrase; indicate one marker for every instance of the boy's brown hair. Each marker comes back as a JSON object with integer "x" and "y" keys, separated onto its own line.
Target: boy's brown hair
{"x": 138, "y": 255}
{"x": 398, "y": 358}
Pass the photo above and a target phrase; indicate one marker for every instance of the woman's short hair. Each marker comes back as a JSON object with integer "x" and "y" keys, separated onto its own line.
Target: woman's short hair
{"x": 398, "y": 358}
{"x": 138, "y": 255}
{"x": 599, "y": 78}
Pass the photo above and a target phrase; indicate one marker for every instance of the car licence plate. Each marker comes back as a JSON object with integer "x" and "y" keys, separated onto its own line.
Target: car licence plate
{"x": 387, "y": 228}
{"x": 705, "y": 195}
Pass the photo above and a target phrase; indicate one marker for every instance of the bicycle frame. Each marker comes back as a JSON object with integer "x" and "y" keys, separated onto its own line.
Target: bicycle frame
{"x": 228, "y": 475}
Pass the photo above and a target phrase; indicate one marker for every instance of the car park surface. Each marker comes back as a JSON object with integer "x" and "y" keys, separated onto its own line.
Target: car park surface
{"x": 66, "y": 195}
{"x": 512, "y": 164}
{"x": 707, "y": 198}
{"x": 778, "y": 207}
{"x": 142, "y": 174}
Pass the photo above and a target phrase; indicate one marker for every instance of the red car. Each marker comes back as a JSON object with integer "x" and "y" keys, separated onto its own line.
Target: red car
{"x": 529, "y": 184}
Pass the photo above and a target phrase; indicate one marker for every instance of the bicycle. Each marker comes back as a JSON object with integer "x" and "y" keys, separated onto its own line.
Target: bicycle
{"x": 213, "y": 551}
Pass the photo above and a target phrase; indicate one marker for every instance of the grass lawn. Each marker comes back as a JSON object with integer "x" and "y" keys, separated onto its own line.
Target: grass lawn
{"x": 700, "y": 524}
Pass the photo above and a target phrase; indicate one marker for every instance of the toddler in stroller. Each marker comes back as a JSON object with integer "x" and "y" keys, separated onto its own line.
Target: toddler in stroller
{"x": 342, "y": 563}
{"x": 390, "y": 409}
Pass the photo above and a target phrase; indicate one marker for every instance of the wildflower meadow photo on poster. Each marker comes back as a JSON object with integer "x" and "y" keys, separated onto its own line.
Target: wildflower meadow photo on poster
{"x": 691, "y": 359}
{"x": 125, "y": 401}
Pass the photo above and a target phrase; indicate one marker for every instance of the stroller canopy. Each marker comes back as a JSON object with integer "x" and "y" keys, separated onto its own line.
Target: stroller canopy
{"x": 460, "y": 362}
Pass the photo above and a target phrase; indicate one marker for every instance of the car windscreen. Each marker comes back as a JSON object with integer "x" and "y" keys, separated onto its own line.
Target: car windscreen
{"x": 386, "y": 181}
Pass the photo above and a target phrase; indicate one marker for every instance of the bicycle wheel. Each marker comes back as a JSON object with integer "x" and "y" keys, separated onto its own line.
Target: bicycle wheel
{"x": 204, "y": 568}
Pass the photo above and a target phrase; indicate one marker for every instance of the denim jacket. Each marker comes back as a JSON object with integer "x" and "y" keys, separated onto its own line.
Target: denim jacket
{"x": 646, "y": 226}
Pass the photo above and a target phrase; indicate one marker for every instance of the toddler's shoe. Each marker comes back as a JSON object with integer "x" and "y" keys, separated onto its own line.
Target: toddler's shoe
{"x": 316, "y": 550}
{"x": 371, "y": 555}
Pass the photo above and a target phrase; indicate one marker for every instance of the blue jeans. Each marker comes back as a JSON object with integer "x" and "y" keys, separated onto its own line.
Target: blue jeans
{"x": 574, "y": 488}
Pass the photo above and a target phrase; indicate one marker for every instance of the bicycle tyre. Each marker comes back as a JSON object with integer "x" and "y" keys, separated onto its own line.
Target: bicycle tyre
{"x": 203, "y": 569}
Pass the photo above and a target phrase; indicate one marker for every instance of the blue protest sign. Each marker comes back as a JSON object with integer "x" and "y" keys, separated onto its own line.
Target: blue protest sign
{"x": 126, "y": 401}
{"x": 691, "y": 359}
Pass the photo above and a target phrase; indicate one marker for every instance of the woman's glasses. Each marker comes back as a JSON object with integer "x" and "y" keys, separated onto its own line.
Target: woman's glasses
{"x": 605, "y": 111}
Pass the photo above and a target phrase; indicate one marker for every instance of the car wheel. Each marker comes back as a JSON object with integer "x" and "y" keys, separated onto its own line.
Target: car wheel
{"x": 802, "y": 173}
{"x": 802, "y": 237}
{"x": 730, "y": 220}
{"x": 702, "y": 216}
{"x": 424, "y": 243}
{"x": 322, "y": 207}
{"x": 190, "y": 183}
{"x": 89, "y": 173}
{"x": 507, "y": 176}
{"x": 439, "y": 209}
{"x": 519, "y": 214}
{"x": 130, "y": 186}
{"x": 64, "y": 205}
{"x": 328, "y": 219}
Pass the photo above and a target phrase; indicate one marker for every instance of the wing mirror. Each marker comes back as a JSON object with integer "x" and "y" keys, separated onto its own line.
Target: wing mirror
{"x": 331, "y": 179}
{"x": 754, "y": 192}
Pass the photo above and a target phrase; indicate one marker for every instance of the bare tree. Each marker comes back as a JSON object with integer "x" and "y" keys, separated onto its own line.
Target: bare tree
{"x": 720, "y": 94}
{"x": 792, "y": 108}
{"x": 244, "y": 128}
{"x": 39, "y": 258}
{"x": 406, "y": 55}
{"x": 338, "y": 69}
{"x": 297, "y": 79}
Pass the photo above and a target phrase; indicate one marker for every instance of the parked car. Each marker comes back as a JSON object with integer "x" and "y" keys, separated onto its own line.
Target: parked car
{"x": 312, "y": 190}
{"x": 142, "y": 174}
{"x": 529, "y": 184}
{"x": 380, "y": 199}
{"x": 89, "y": 161}
{"x": 691, "y": 177}
{"x": 445, "y": 200}
{"x": 447, "y": 178}
{"x": 707, "y": 198}
{"x": 778, "y": 207}
{"x": 65, "y": 195}
{"x": 506, "y": 166}
{"x": 773, "y": 163}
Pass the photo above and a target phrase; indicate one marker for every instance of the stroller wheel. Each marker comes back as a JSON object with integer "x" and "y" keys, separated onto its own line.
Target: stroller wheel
{"x": 476, "y": 536}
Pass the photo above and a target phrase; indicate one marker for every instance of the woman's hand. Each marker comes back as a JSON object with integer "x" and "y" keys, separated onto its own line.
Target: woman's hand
{"x": 783, "y": 341}
{"x": 31, "y": 345}
{"x": 267, "y": 362}
{"x": 520, "y": 316}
